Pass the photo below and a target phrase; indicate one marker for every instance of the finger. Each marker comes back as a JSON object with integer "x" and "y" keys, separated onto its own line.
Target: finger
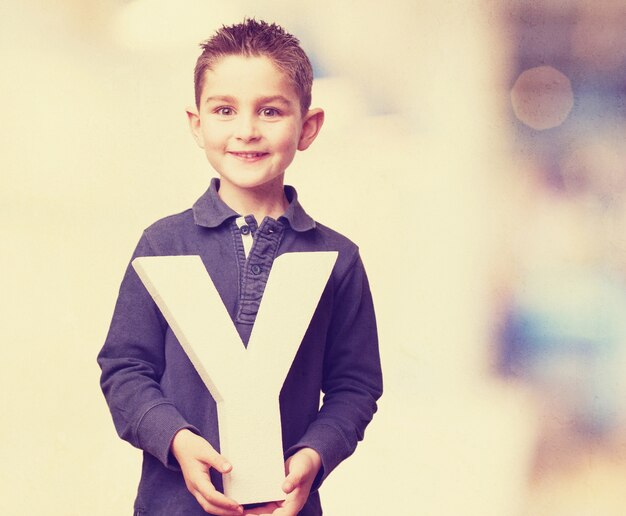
{"x": 293, "y": 503}
{"x": 203, "y": 487}
{"x": 217, "y": 499}
{"x": 215, "y": 509}
{"x": 285, "y": 511}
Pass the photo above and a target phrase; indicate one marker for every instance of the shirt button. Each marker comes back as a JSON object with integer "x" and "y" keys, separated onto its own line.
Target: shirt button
{"x": 244, "y": 230}
{"x": 270, "y": 230}
{"x": 255, "y": 269}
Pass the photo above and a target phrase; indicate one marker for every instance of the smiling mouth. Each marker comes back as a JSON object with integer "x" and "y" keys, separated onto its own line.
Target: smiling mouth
{"x": 248, "y": 156}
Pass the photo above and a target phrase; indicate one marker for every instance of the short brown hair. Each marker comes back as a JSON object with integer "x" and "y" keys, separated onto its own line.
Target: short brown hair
{"x": 258, "y": 38}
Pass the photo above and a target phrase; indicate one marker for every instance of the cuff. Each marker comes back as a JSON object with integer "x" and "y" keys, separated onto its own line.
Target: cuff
{"x": 156, "y": 430}
{"x": 329, "y": 443}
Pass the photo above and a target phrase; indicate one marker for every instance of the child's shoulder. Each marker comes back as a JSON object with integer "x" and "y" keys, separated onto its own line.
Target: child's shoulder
{"x": 172, "y": 234}
{"x": 347, "y": 251}
{"x": 335, "y": 240}
{"x": 170, "y": 223}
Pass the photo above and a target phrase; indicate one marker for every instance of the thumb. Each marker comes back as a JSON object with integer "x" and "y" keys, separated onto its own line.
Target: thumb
{"x": 294, "y": 478}
{"x": 215, "y": 460}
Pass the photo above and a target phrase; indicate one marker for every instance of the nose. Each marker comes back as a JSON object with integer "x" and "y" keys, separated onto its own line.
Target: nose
{"x": 246, "y": 129}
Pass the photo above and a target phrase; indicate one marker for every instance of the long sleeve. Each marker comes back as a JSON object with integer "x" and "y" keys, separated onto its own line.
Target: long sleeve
{"x": 352, "y": 377}
{"x": 132, "y": 361}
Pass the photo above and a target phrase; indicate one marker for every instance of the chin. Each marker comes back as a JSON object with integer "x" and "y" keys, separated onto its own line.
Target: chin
{"x": 248, "y": 182}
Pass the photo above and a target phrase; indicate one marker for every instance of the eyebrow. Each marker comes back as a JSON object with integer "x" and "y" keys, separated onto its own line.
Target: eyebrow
{"x": 275, "y": 98}
{"x": 262, "y": 100}
{"x": 220, "y": 98}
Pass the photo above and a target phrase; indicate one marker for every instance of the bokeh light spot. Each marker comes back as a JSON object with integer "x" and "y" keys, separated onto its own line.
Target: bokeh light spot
{"x": 542, "y": 97}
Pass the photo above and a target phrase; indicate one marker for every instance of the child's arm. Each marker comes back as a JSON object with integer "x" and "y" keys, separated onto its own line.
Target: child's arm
{"x": 196, "y": 456}
{"x": 352, "y": 376}
{"x": 132, "y": 361}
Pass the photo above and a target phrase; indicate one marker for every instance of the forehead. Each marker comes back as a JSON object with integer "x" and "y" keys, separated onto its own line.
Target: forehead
{"x": 247, "y": 77}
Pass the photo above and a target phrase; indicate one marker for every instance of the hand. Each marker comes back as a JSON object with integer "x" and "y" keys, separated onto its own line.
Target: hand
{"x": 195, "y": 457}
{"x": 301, "y": 468}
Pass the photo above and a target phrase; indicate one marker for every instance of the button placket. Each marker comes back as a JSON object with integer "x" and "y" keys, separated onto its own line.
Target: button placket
{"x": 257, "y": 268}
{"x": 245, "y": 230}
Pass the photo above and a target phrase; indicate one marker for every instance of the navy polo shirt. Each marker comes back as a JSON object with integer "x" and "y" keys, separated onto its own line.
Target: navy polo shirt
{"x": 153, "y": 390}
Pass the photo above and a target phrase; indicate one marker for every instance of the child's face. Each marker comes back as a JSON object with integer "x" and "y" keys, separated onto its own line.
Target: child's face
{"x": 249, "y": 121}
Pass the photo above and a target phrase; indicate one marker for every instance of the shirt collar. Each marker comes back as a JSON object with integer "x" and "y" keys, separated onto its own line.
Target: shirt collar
{"x": 210, "y": 211}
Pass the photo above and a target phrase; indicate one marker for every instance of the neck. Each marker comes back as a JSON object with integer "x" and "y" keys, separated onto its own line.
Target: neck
{"x": 267, "y": 200}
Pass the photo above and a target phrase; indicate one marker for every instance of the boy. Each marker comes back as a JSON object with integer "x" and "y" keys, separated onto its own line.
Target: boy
{"x": 253, "y": 92}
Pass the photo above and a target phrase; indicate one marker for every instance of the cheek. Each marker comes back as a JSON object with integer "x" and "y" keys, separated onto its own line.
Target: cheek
{"x": 214, "y": 136}
{"x": 287, "y": 138}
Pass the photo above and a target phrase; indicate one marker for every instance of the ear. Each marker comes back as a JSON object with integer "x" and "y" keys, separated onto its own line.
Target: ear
{"x": 311, "y": 125}
{"x": 195, "y": 125}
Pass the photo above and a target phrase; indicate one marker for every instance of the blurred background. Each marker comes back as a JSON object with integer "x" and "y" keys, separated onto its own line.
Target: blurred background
{"x": 474, "y": 150}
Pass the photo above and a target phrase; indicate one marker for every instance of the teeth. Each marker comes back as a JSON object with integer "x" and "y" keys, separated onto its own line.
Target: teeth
{"x": 249, "y": 155}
